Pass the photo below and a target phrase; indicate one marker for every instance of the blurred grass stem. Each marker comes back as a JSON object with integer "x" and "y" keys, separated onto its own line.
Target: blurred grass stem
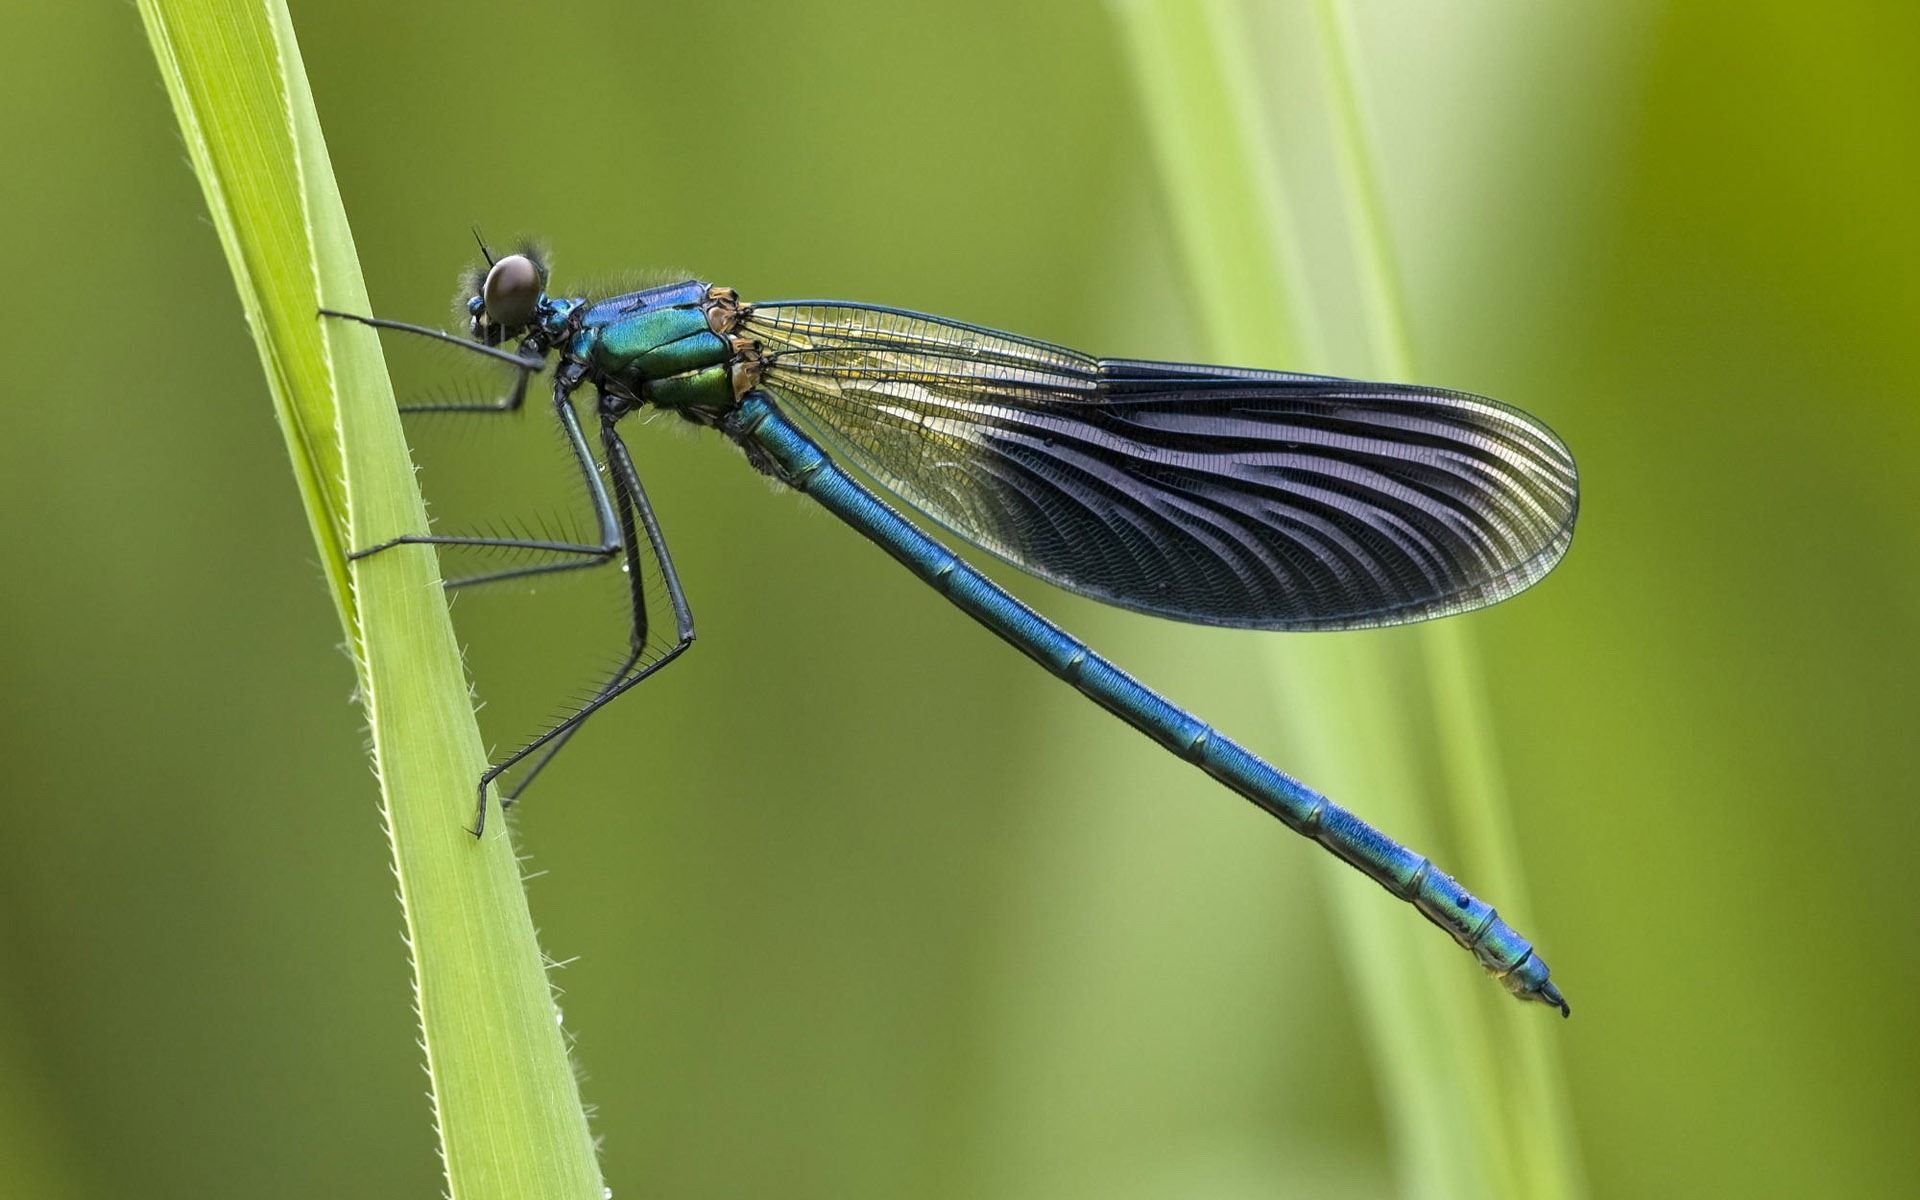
{"x": 1392, "y": 723}
{"x": 1535, "y": 1107}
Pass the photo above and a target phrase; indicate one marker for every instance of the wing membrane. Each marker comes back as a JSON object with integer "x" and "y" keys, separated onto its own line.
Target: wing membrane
{"x": 1257, "y": 499}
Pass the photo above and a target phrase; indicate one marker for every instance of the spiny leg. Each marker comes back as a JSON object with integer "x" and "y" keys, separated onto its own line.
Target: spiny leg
{"x": 636, "y": 645}
{"x": 525, "y": 367}
{"x": 511, "y": 402}
{"x": 587, "y": 555}
{"x": 525, "y": 363}
{"x": 632, "y": 502}
{"x": 617, "y": 533}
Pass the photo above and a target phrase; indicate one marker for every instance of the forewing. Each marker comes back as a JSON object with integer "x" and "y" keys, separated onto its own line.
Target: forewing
{"x": 1258, "y": 499}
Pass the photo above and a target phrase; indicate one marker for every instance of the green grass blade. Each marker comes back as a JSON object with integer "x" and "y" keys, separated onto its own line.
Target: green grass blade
{"x": 1469, "y": 1088}
{"x": 506, "y": 1102}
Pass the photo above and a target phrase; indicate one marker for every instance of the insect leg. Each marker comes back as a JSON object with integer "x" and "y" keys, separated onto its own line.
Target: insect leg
{"x": 632, "y": 502}
{"x": 582, "y": 554}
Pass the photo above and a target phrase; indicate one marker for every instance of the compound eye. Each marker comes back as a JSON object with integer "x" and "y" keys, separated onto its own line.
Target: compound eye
{"x": 512, "y": 291}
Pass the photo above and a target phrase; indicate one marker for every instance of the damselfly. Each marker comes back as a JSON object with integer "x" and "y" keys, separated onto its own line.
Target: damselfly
{"x": 1252, "y": 499}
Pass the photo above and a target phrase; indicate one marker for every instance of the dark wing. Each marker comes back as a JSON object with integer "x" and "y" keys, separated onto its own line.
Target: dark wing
{"x": 1257, "y": 499}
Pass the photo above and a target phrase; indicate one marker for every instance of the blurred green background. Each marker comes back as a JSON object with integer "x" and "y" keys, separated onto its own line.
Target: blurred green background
{"x": 992, "y": 943}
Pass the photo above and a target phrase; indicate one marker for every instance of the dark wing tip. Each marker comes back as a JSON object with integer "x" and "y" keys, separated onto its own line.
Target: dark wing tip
{"x": 1337, "y": 504}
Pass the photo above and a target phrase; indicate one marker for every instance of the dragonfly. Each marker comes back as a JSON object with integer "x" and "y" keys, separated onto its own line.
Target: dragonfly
{"x": 1252, "y": 499}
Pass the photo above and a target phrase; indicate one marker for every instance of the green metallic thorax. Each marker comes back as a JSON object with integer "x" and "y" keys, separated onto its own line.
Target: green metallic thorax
{"x": 659, "y": 347}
